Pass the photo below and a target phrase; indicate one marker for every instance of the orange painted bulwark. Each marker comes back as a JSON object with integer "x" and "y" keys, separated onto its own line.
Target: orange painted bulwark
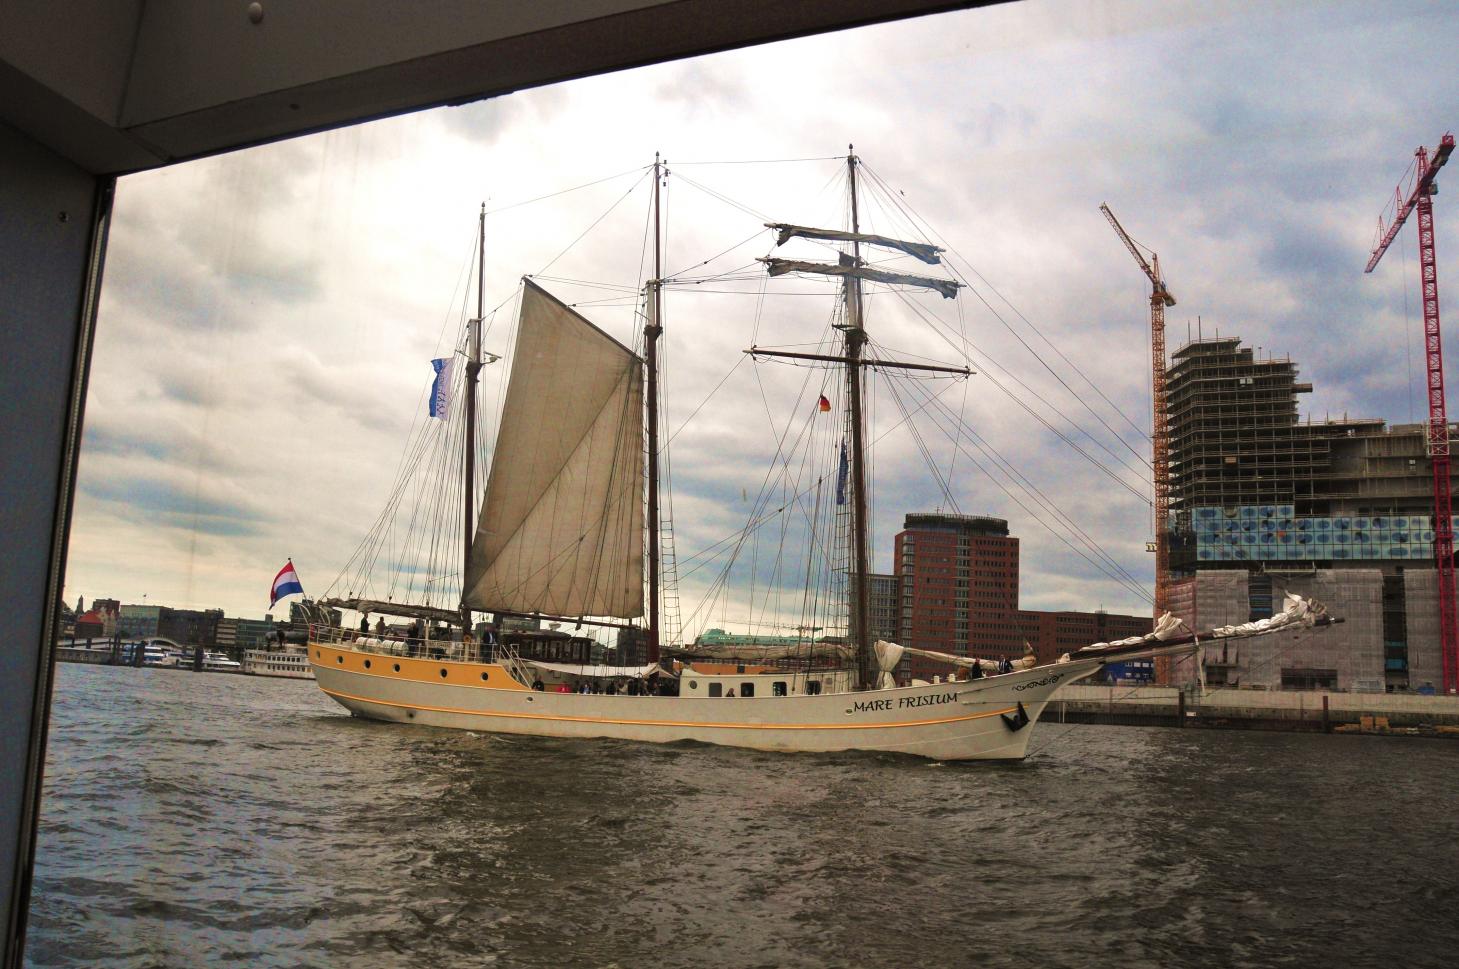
{"x": 409, "y": 668}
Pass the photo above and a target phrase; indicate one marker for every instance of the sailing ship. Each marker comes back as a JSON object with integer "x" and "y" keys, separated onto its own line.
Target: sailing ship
{"x": 568, "y": 533}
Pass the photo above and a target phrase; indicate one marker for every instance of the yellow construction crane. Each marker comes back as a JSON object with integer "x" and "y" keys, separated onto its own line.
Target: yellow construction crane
{"x": 1160, "y": 433}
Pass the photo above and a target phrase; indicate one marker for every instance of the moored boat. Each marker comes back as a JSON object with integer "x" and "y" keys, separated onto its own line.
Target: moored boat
{"x": 291, "y": 662}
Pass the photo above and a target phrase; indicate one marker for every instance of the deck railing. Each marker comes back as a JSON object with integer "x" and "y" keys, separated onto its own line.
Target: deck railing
{"x": 394, "y": 644}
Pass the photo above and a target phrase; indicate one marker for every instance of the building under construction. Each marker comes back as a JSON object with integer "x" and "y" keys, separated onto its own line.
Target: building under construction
{"x": 1263, "y": 502}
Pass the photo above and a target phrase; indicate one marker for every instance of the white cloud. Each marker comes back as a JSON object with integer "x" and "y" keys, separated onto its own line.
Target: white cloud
{"x": 267, "y": 316}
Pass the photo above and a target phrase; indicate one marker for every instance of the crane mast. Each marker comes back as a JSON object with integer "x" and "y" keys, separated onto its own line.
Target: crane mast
{"x": 1160, "y": 298}
{"x": 1419, "y": 199}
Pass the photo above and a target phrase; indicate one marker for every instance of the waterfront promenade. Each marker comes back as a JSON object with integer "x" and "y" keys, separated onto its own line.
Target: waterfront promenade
{"x": 1255, "y": 709}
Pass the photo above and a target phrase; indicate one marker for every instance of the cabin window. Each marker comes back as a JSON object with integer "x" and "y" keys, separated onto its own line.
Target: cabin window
{"x": 716, "y": 689}
{"x": 777, "y": 688}
{"x": 812, "y": 687}
{"x": 740, "y": 668}
{"x": 693, "y": 684}
{"x": 747, "y": 689}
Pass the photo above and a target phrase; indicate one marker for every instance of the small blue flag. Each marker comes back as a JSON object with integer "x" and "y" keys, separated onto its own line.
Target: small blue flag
{"x": 841, "y": 477}
{"x": 441, "y": 389}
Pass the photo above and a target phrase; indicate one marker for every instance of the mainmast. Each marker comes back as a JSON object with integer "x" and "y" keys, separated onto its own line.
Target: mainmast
{"x": 651, "y": 332}
{"x": 473, "y": 368}
{"x": 855, "y": 339}
{"x": 851, "y": 270}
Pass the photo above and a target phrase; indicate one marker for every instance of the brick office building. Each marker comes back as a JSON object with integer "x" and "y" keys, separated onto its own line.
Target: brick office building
{"x": 959, "y": 585}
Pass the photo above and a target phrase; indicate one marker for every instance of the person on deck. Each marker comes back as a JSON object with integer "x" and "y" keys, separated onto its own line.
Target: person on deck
{"x": 365, "y": 623}
{"x": 537, "y": 684}
{"x": 380, "y": 626}
{"x": 975, "y": 672}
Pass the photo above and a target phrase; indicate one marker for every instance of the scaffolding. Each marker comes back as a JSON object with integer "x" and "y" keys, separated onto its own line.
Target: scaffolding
{"x": 1252, "y": 483}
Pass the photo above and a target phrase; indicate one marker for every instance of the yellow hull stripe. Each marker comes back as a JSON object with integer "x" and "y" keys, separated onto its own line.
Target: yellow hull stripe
{"x": 670, "y": 723}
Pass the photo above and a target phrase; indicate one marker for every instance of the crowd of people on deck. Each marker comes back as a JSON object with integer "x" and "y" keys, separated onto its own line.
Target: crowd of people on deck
{"x": 652, "y": 685}
{"x": 417, "y": 642}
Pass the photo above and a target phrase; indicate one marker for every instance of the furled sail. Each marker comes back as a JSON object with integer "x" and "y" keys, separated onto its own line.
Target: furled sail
{"x": 924, "y": 251}
{"x": 561, "y": 529}
{"x": 766, "y": 652}
{"x": 779, "y": 267}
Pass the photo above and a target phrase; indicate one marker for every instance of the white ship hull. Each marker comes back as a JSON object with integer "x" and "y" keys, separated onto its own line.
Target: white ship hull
{"x": 987, "y": 719}
{"x": 292, "y": 664}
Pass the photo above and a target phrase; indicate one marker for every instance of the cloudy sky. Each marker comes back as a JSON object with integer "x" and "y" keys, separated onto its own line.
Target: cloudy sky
{"x": 267, "y": 317}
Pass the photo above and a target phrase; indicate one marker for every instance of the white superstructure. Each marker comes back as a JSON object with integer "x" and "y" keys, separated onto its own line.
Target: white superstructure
{"x": 292, "y": 662}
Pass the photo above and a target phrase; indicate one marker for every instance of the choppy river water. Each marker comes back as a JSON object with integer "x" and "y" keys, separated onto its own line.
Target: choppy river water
{"x": 210, "y": 820}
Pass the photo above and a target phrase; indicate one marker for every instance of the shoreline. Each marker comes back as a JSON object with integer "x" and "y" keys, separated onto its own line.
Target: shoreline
{"x": 1383, "y": 714}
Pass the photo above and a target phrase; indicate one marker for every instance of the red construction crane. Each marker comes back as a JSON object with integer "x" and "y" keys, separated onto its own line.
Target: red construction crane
{"x": 1160, "y": 433}
{"x": 1419, "y": 197}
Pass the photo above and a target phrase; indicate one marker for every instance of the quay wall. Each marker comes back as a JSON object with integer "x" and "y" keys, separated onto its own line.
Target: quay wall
{"x": 1279, "y": 710}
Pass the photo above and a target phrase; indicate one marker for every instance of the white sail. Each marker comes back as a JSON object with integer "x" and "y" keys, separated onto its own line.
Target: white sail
{"x": 924, "y": 251}
{"x": 779, "y": 267}
{"x": 561, "y": 529}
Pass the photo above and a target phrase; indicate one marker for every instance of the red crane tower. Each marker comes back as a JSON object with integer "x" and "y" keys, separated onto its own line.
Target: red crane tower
{"x": 1420, "y": 178}
{"x": 1160, "y": 432}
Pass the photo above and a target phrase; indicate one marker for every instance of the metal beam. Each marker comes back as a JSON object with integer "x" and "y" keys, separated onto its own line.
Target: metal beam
{"x": 865, "y": 362}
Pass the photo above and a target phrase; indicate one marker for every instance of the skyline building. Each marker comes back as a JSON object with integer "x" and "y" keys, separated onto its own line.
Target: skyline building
{"x": 959, "y": 586}
{"x": 1264, "y": 503}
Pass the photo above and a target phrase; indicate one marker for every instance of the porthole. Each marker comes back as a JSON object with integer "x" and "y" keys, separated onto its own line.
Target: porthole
{"x": 693, "y": 684}
{"x": 339, "y": 659}
{"x": 397, "y": 667}
{"x": 483, "y": 677}
{"x": 443, "y": 672}
{"x": 318, "y": 654}
{"x": 367, "y": 664}
{"x": 410, "y": 714}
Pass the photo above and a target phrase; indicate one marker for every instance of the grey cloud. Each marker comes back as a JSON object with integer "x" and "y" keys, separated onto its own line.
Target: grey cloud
{"x": 165, "y": 504}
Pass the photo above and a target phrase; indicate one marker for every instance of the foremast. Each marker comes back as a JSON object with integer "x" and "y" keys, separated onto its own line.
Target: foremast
{"x": 473, "y": 369}
{"x": 651, "y": 331}
{"x": 853, "y": 272}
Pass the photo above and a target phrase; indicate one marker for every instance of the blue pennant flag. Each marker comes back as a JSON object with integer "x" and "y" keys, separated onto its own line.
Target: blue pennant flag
{"x": 841, "y": 477}
{"x": 441, "y": 389}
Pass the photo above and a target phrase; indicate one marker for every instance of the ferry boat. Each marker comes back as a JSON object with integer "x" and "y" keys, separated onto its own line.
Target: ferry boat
{"x": 291, "y": 662}
{"x": 155, "y": 654}
{"x": 215, "y": 662}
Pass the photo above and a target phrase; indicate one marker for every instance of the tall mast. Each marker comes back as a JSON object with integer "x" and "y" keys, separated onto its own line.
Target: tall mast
{"x": 849, "y": 268}
{"x": 473, "y": 367}
{"x": 855, "y": 340}
{"x": 651, "y": 333}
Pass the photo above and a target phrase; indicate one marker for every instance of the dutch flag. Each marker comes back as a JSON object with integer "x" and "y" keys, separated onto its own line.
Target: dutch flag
{"x": 286, "y": 583}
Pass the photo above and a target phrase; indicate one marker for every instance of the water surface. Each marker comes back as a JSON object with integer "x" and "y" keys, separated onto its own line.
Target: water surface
{"x": 202, "y": 820}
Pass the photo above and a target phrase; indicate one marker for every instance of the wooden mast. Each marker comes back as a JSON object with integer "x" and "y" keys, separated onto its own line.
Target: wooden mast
{"x": 866, "y": 664}
{"x": 651, "y": 333}
{"x": 473, "y": 368}
{"x": 851, "y": 270}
